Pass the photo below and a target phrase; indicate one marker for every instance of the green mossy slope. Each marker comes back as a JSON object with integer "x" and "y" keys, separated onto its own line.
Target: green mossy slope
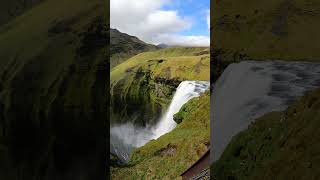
{"x": 171, "y": 154}
{"x": 181, "y": 62}
{"x": 279, "y": 145}
{"x": 53, "y": 76}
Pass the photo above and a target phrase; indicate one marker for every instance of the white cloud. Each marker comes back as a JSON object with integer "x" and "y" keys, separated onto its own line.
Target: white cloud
{"x": 146, "y": 20}
{"x": 161, "y": 22}
{"x": 181, "y": 40}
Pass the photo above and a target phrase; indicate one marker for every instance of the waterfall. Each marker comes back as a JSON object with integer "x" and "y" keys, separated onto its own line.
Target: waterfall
{"x": 186, "y": 91}
{"x": 248, "y": 90}
{"x": 126, "y": 137}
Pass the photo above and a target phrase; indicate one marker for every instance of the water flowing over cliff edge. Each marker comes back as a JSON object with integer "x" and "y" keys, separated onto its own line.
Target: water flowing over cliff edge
{"x": 126, "y": 137}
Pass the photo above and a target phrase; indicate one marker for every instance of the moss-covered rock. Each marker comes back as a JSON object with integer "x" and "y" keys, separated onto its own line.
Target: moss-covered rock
{"x": 186, "y": 110}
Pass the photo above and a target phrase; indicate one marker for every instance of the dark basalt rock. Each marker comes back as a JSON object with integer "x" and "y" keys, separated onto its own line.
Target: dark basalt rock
{"x": 170, "y": 82}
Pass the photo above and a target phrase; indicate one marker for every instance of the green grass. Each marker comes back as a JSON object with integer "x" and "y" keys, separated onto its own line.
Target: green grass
{"x": 279, "y": 145}
{"x": 181, "y": 60}
{"x": 189, "y": 139}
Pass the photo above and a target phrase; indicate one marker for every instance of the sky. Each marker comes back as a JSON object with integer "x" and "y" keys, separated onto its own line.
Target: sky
{"x": 172, "y": 22}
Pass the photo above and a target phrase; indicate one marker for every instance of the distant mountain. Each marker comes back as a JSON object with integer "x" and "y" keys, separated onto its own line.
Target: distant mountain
{"x": 124, "y": 46}
{"x": 162, "y": 45}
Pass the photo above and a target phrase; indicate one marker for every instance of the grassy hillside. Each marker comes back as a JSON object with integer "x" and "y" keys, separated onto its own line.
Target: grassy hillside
{"x": 13, "y": 8}
{"x": 124, "y": 46}
{"x": 274, "y": 29}
{"x": 170, "y": 63}
{"x": 279, "y": 145}
{"x": 145, "y": 83}
{"x": 52, "y": 91}
{"x": 171, "y": 154}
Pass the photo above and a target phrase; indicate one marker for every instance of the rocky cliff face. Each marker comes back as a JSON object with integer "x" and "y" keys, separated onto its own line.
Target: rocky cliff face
{"x": 53, "y": 92}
